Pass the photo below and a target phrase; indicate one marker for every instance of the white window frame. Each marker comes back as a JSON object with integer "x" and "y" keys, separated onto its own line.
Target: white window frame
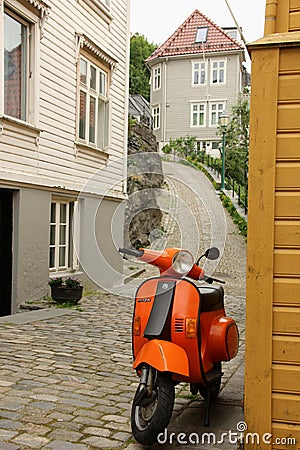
{"x": 156, "y": 117}
{"x": 202, "y": 68}
{"x": 201, "y": 32}
{"x": 100, "y": 95}
{"x": 220, "y": 107}
{"x": 219, "y": 70}
{"x": 32, "y": 21}
{"x": 70, "y": 260}
{"x": 156, "y": 77}
{"x": 196, "y": 108}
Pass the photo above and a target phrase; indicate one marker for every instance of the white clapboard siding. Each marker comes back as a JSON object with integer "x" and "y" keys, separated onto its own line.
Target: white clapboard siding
{"x": 52, "y": 153}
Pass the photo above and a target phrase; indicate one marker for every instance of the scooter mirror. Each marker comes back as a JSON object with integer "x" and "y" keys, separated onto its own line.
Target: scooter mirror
{"x": 212, "y": 253}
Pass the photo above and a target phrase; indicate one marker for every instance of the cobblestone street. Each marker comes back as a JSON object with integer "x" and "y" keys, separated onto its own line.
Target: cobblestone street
{"x": 66, "y": 381}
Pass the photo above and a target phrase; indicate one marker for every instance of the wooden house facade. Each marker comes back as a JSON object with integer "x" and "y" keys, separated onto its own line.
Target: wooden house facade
{"x": 272, "y": 374}
{"x": 63, "y": 138}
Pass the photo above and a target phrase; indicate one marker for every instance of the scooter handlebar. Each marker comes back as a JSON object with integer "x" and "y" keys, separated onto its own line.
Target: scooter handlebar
{"x": 131, "y": 252}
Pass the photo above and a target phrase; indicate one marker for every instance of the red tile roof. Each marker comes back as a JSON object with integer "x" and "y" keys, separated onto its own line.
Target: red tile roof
{"x": 182, "y": 41}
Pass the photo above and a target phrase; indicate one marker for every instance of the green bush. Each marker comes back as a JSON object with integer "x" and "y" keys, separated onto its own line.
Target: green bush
{"x": 237, "y": 219}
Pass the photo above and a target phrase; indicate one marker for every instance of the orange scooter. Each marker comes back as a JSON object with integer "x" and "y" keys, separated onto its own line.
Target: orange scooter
{"x": 180, "y": 334}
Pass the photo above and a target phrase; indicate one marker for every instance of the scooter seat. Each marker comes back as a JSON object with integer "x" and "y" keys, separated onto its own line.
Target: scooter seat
{"x": 211, "y": 297}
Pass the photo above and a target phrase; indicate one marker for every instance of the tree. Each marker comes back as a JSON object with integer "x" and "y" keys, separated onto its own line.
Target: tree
{"x": 237, "y": 141}
{"x": 139, "y": 74}
{"x": 183, "y": 146}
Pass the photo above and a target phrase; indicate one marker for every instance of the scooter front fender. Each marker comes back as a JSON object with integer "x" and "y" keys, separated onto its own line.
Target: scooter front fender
{"x": 163, "y": 356}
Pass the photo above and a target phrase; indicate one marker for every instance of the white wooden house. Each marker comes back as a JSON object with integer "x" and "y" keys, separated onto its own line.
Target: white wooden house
{"x": 63, "y": 138}
{"x": 196, "y": 75}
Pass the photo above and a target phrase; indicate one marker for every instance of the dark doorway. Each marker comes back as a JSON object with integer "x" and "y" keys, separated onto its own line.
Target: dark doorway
{"x": 6, "y": 228}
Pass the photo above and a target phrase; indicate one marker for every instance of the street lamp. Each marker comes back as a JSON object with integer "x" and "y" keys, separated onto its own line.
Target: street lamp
{"x": 223, "y": 124}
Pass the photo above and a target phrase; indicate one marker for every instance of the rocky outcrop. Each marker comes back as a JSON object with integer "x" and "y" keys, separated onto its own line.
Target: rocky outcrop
{"x": 145, "y": 179}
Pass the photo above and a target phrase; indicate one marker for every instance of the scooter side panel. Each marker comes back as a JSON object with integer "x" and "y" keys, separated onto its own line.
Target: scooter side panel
{"x": 144, "y": 302}
{"x": 186, "y": 305}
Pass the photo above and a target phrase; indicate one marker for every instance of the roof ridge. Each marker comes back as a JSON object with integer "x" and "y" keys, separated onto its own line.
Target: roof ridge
{"x": 168, "y": 47}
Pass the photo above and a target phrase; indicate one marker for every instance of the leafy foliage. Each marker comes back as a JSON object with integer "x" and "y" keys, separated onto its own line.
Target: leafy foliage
{"x": 139, "y": 74}
{"x": 183, "y": 146}
{"x": 237, "y": 141}
{"x": 69, "y": 282}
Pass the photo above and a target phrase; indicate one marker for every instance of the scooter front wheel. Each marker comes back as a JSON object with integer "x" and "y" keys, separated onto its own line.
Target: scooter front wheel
{"x": 151, "y": 416}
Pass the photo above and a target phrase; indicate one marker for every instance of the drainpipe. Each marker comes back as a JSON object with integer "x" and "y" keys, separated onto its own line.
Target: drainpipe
{"x": 271, "y": 16}
{"x": 165, "y": 100}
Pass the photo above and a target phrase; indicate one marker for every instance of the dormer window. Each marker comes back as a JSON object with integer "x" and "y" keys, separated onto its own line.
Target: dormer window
{"x": 201, "y": 35}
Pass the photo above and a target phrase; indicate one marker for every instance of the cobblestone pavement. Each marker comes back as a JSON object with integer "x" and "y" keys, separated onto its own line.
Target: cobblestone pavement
{"x": 66, "y": 381}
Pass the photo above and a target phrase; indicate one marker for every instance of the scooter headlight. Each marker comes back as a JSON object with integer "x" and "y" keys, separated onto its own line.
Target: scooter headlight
{"x": 182, "y": 262}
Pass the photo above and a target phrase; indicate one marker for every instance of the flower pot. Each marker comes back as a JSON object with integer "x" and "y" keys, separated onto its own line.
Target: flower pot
{"x": 64, "y": 294}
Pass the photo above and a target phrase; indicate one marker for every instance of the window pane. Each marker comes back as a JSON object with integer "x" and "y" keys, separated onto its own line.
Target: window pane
{"x": 62, "y": 256}
{"x": 62, "y": 234}
{"x": 196, "y": 77}
{"x": 15, "y": 67}
{"x": 195, "y": 119}
{"x": 52, "y": 257}
{"x": 63, "y": 213}
{"x": 52, "y": 234}
{"x": 93, "y": 78}
{"x": 201, "y": 34}
{"x": 83, "y": 71}
{"x": 53, "y": 213}
{"x": 92, "y": 120}
{"x": 106, "y": 124}
{"x": 102, "y": 88}
{"x": 82, "y": 115}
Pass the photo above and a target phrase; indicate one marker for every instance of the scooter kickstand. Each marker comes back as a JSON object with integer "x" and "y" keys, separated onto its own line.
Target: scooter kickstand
{"x": 208, "y": 402}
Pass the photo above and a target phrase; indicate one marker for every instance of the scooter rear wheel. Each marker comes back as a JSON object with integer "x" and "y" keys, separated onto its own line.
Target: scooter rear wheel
{"x": 152, "y": 415}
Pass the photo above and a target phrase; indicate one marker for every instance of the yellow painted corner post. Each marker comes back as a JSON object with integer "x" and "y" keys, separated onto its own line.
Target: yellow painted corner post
{"x": 274, "y": 111}
{"x": 262, "y": 159}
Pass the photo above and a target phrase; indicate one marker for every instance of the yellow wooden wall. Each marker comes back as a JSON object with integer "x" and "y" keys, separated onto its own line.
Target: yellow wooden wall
{"x": 272, "y": 361}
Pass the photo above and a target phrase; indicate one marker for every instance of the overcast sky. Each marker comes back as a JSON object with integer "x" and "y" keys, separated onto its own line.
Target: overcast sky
{"x": 158, "y": 19}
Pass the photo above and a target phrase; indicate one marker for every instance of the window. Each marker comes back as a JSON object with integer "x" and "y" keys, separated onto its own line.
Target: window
{"x": 156, "y": 78}
{"x": 93, "y": 128}
{"x": 201, "y": 34}
{"x": 15, "y": 66}
{"x": 216, "y": 110}
{"x": 156, "y": 117}
{"x": 198, "y": 115}
{"x": 61, "y": 247}
{"x": 199, "y": 73}
{"x": 218, "y": 72}
{"x": 21, "y": 26}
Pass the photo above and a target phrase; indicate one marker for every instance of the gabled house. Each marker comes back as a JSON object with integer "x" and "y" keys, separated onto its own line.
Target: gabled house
{"x": 196, "y": 75}
{"x": 139, "y": 109}
{"x": 63, "y": 135}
